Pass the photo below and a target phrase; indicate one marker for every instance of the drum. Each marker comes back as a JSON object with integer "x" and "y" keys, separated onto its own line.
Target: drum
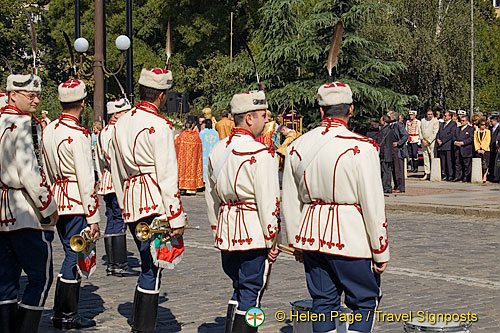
{"x": 305, "y": 306}
{"x": 439, "y": 326}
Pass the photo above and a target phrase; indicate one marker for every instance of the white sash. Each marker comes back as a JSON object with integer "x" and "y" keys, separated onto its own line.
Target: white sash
{"x": 236, "y": 140}
{"x": 313, "y": 151}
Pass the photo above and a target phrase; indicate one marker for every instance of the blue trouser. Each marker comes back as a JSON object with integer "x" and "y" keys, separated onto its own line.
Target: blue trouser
{"x": 30, "y": 251}
{"x": 248, "y": 271}
{"x": 150, "y": 277}
{"x": 114, "y": 219}
{"x": 328, "y": 276}
{"x": 68, "y": 226}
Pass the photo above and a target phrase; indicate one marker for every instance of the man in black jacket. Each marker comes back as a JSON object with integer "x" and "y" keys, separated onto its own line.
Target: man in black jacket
{"x": 495, "y": 130}
{"x": 444, "y": 138}
{"x": 399, "y": 152}
{"x": 386, "y": 139}
{"x": 464, "y": 141}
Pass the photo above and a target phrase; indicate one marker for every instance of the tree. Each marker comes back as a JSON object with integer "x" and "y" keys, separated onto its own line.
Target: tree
{"x": 291, "y": 47}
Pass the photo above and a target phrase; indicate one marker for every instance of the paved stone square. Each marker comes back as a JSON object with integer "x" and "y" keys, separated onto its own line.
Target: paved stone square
{"x": 440, "y": 263}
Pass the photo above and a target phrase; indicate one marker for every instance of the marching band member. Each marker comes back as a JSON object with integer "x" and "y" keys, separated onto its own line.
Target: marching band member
{"x": 144, "y": 175}
{"x": 115, "y": 241}
{"x": 334, "y": 209}
{"x": 68, "y": 158}
{"x": 242, "y": 195}
{"x": 25, "y": 243}
{"x": 413, "y": 128}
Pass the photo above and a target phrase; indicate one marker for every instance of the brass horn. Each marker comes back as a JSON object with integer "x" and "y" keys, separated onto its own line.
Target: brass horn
{"x": 78, "y": 242}
{"x": 143, "y": 231}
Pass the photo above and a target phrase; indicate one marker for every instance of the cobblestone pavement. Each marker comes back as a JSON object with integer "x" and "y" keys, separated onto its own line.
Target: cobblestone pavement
{"x": 440, "y": 263}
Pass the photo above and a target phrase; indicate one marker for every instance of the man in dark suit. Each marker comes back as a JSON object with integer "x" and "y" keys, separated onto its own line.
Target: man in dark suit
{"x": 399, "y": 152}
{"x": 386, "y": 139}
{"x": 464, "y": 141}
{"x": 495, "y": 130}
{"x": 445, "y": 145}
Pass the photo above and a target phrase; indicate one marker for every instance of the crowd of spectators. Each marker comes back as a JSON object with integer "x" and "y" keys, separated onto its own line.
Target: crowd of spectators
{"x": 452, "y": 136}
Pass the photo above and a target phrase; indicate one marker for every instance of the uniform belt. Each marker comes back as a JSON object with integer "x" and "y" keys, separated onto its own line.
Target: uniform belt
{"x": 324, "y": 203}
{"x": 241, "y": 205}
{"x": 64, "y": 180}
{"x": 413, "y": 134}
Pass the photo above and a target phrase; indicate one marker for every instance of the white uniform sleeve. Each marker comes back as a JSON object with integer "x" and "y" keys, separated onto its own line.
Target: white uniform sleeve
{"x": 165, "y": 158}
{"x": 117, "y": 178}
{"x": 211, "y": 198}
{"x": 371, "y": 199}
{"x": 29, "y": 171}
{"x": 99, "y": 159}
{"x": 84, "y": 169}
{"x": 267, "y": 195}
{"x": 292, "y": 205}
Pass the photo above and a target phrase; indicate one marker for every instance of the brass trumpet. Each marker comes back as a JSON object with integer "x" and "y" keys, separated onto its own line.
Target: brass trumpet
{"x": 78, "y": 242}
{"x": 143, "y": 231}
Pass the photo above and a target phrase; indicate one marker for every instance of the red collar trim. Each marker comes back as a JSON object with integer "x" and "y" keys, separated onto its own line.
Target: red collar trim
{"x": 148, "y": 107}
{"x": 74, "y": 119}
{"x": 9, "y": 109}
{"x": 69, "y": 117}
{"x": 112, "y": 121}
{"x": 241, "y": 131}
{"x": 333, "y": 122}
{"x": 238, "y": 131}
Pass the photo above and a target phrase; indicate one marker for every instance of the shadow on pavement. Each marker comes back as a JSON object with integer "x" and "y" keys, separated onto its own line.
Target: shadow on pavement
{"x": 216, "y": 327}
{"x": 288, "y": 328}
{"x": 132, "y": 261}
{"x": 166, "y": 321}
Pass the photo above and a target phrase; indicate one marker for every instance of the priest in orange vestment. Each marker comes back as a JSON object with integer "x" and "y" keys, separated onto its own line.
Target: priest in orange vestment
{"x": 189, "y": 159}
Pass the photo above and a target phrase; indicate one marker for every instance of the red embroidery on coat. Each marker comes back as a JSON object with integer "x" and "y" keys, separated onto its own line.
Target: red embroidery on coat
{"x": 239, "y": 223}
{"x": 67, "y": 117}
{"x": 238, "y": 131}
{"x": 383, "y": 246}
{"x": 276, "y": 214}
{"x": 331, "y": 122}
{"x": 361, "y": 138}
{"x": 293, "y": 150}
{"x": 179, "y": 211}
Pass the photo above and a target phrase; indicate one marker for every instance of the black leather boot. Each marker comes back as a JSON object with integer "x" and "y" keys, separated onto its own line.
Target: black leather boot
{"x": 28, "y": 321}
{"x": 119, "y": 250}
{"x": 231, "y": 310}
{"x": 66, "y": 300}
{"x": 108, "y": 246}
{"x": 144, "y": 312}
{"x": 8, "y": 317}
{"x": 241, "y": 326}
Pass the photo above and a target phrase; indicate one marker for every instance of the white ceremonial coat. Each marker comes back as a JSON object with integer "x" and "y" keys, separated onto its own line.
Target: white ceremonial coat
{"x": 242, "y": 193}
{"x": 68, "y": 160}
{"x": 26, "y": 196}
{"x": 144, "y": 170}
{"x": 104, "y": 154}
{"x": 333, "y": 201}
{"x": 429, "y": 129}
{"x": 413, "y": 129}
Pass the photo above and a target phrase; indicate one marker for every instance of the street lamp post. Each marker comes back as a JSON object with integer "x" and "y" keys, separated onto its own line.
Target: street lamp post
{"x": 130, "y": 55}
{"x": 472, "y": 58}
{"x": 77, "y": 19}
{"x": 98, "y": 60}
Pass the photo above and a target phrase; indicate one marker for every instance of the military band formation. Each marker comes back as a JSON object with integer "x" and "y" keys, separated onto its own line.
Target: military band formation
{"x": 332, "y": 205}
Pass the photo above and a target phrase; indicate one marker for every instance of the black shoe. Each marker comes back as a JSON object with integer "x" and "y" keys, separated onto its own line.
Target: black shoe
{"x": 455, "y": 180}
{"x": 443, "y": 177}
{"x": 231, "y": 311}
{"x": 66, "y": 300}
{"x": 241, "y": 326}
{"x": 116, "y": 253}
{"x": 144, "y": 312}
{"x": 27, "y": 321}
{"x": 72, "y": 321}
{"x": 8, "y": 317}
